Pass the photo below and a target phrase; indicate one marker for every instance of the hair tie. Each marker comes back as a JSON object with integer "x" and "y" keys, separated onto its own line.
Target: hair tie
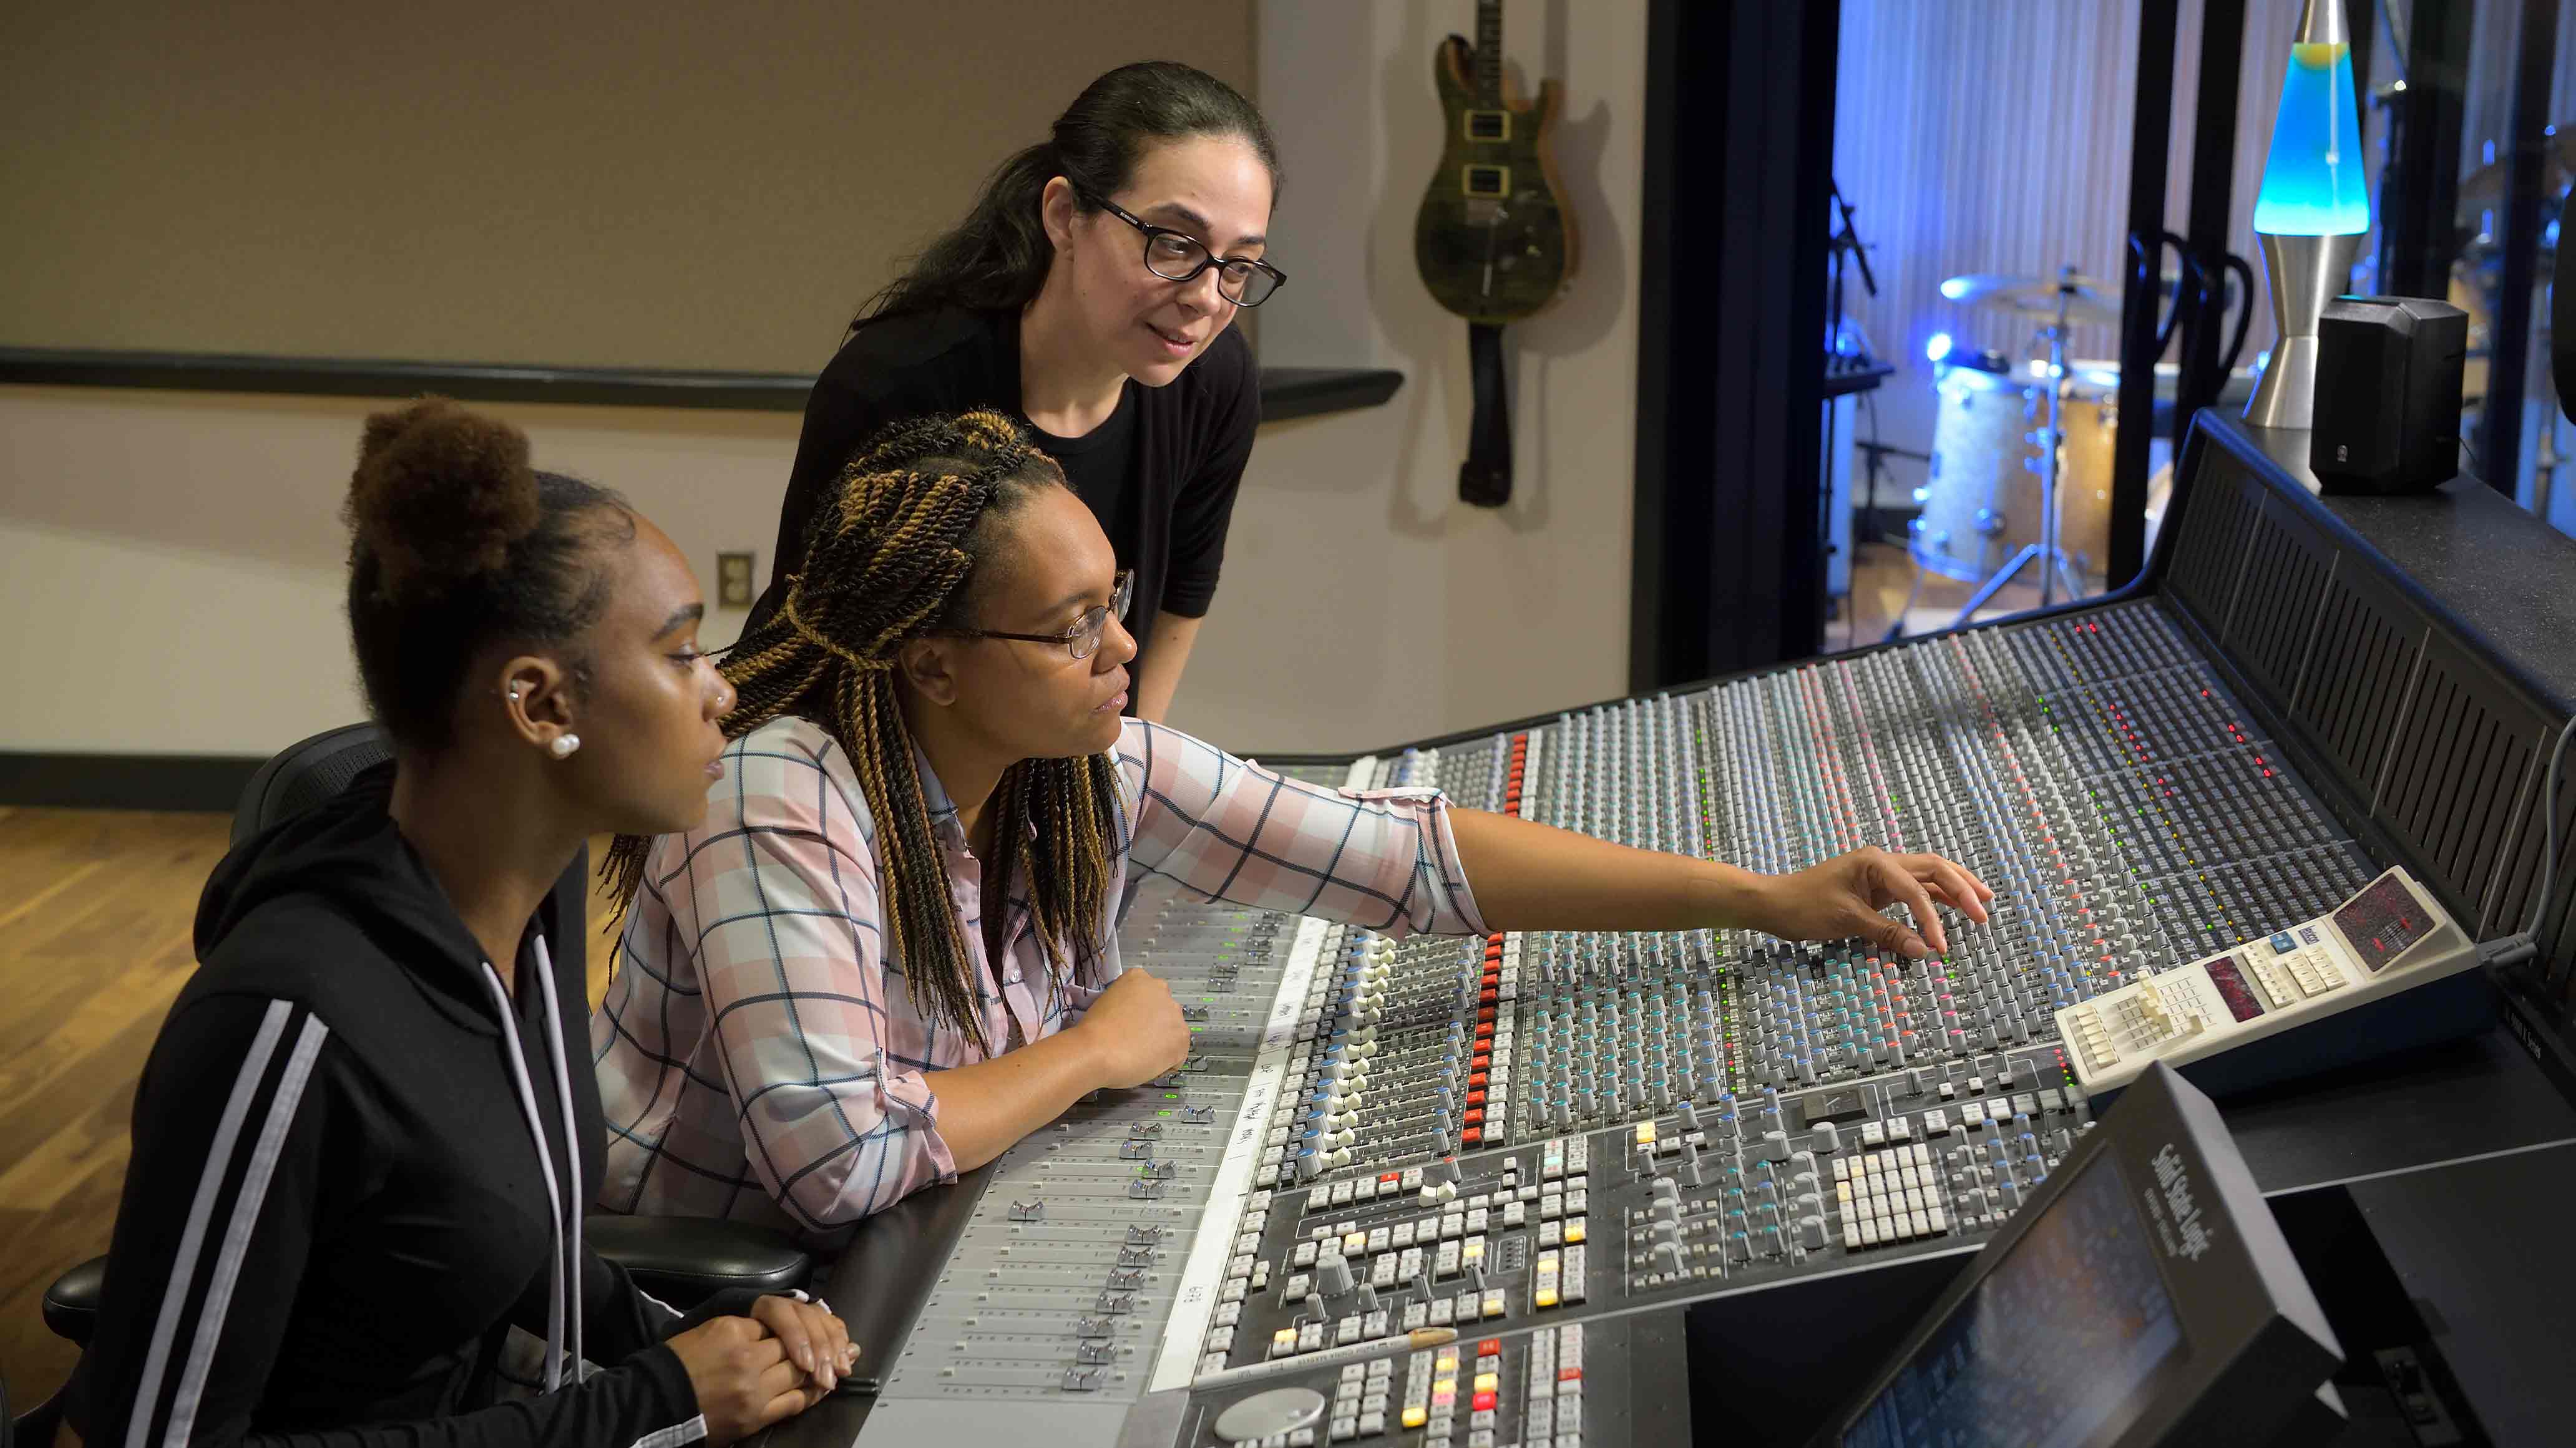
{"x": 808, "y": 632}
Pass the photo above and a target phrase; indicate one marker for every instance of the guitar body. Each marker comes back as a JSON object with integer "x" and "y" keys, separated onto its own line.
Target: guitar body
{"x": 1493, "y": 240}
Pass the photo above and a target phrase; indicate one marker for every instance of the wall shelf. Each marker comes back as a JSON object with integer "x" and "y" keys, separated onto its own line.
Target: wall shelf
{"x": 1285, "y": 391}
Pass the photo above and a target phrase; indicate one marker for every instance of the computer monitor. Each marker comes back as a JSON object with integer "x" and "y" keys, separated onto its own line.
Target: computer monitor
{"x": 2143, "y": 1295}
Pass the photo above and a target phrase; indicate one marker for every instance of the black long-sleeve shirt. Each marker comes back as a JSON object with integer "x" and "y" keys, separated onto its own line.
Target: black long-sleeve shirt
{"x": 339, "y": 1202}
{"x": 1160, "y": 474}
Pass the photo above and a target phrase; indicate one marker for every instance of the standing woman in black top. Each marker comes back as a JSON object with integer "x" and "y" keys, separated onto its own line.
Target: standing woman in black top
{"x": 1092, "y": 292}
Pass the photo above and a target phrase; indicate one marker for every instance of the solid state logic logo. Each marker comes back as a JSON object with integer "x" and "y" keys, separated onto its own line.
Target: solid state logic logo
{"x": 2186, "y": 1236}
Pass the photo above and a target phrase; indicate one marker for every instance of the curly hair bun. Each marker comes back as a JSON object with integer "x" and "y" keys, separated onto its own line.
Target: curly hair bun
{"x": 440, "y": 494}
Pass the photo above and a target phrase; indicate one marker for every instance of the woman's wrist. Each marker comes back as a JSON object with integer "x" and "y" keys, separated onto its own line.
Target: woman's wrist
{"x": 1088, "y": 1053}
{"x": 1732, "y": 898}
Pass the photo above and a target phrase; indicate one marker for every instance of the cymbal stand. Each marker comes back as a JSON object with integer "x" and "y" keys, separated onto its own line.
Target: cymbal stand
{"x": 2054, "y": 565}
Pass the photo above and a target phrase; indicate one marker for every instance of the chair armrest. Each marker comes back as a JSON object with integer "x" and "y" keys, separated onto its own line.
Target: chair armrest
{"x": 682, "y": 1260}
{"x": 71, "y": 1303}
{"x": 685, "y": 1260}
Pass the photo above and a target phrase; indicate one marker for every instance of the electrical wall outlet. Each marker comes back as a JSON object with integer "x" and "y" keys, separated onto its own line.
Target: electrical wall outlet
{"x": 733, "y": 580}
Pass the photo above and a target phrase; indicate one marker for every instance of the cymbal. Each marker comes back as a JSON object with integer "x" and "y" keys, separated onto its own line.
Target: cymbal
{"x": 2088, "y": 299}
{"x": 2486, "y": 185}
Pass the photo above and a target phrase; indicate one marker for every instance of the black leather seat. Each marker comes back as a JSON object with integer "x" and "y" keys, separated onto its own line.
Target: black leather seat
{"x": 681, "y": 1260}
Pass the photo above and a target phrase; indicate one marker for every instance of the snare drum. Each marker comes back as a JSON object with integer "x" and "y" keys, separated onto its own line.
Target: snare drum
{"x": 1973, "y": 517}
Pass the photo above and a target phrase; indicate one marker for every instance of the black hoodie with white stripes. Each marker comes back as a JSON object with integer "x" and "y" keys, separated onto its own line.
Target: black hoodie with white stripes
{"x": 352, "y": 1176}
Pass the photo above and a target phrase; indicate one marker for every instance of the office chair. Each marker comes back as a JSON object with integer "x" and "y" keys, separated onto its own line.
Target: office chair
{"x": 681, "y": 1260}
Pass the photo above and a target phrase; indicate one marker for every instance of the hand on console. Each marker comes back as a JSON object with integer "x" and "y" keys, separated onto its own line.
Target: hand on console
{"x": 1842, "y": 897}
{"x": 1135, "y": 1030}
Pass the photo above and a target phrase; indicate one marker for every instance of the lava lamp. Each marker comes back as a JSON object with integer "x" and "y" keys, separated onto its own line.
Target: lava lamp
{"x": 2311, "y": 211}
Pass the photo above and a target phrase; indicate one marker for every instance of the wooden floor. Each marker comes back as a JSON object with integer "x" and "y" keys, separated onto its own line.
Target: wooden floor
{"x": 1883, "y": 579}
{"x": 96, "y": 908}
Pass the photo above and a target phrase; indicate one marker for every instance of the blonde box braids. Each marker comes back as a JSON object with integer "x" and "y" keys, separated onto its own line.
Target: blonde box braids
{"x": 887, "y": 560}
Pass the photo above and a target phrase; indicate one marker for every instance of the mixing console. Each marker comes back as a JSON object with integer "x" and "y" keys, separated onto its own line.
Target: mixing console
{"x": 1073, "y": 1263}
{"x": 1536, "y": 1386}
{"x": 2092, "y": 771}
{"x": 1521, "y": 1137}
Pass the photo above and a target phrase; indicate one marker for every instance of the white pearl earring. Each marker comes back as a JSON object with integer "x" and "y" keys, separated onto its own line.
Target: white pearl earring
{"x": 564, "y": 745}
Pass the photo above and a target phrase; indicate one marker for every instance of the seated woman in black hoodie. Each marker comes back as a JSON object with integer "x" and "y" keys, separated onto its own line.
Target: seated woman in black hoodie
{"x": 361, "y": 1147}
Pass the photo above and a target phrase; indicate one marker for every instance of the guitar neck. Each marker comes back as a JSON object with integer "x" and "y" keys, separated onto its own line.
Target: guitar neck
{"x": 1489, "y": 51}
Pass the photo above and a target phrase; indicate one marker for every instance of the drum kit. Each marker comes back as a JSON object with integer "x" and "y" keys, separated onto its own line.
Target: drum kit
{"x": 2021, "y": 469}
{"x": 2021, "y": 472}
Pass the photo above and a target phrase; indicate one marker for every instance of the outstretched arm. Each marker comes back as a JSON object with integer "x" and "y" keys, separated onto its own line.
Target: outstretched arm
{"x": 1530, "y": 876}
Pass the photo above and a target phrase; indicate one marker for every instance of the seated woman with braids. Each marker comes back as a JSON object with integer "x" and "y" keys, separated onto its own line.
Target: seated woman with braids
{"x": 888, "y": 954}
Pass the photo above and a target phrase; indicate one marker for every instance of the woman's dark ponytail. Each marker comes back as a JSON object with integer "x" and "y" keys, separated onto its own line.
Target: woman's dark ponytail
{"x": 997, "y": 257}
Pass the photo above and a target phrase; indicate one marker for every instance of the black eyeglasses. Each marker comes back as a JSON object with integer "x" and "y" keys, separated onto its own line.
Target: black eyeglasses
{"x": 1177, "y": 256}
{"x": 1083, "y": 639}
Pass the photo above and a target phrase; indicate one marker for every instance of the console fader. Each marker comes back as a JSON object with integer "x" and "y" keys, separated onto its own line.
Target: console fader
{"x": 1519, "y": 1138}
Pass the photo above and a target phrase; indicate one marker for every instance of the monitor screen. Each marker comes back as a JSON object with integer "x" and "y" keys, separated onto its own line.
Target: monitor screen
{"x": 2382, "y": 921}
{"x": 2242, "y": 1002}
{"x": 2050, "y": 1346}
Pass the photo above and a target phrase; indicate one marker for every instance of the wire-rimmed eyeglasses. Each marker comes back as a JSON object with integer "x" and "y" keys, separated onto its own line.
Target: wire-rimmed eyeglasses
{"x": 1083, "y": 639}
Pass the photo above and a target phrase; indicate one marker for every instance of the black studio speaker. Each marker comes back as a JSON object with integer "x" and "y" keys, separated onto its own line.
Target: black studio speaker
{"x": 2388, "y": 394}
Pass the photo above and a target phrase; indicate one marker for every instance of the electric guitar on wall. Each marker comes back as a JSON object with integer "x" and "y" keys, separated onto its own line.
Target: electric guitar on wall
{"x": 1493, "y": 241}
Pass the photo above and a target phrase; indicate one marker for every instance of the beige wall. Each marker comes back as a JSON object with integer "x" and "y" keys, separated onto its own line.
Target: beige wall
{"x": 645, "y": 183}
{"x": 1363, "y": 604}
{"x": 173, "y": 561}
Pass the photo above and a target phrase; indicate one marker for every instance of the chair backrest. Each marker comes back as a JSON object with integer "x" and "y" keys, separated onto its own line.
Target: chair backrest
{"x": 310, "y": 771}
{"x": 304, "y": 774}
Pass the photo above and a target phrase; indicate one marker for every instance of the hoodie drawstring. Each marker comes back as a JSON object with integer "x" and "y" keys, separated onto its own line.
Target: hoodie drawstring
{"x": 572, "y": 1207}
{"x": 545, "y": 1157}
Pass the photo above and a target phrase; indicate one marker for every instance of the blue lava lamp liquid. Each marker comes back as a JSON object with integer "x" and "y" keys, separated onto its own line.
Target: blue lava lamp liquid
{"x": 2312, "y": 182}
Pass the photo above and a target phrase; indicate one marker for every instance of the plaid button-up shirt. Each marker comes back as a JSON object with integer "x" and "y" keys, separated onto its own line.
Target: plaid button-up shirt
{"x": 760, "y": 1058}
